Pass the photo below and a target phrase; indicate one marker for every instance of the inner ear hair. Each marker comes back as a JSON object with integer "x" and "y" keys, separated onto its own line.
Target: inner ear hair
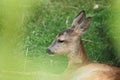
{"x": 83, "y": 26}
{"x": 81, "y": 23}
{"x": 78, "y": 19}
{"x": 81, "y": 19}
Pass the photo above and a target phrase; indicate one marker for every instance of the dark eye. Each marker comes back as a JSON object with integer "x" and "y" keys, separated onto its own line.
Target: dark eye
{"x": 61, "y": 41}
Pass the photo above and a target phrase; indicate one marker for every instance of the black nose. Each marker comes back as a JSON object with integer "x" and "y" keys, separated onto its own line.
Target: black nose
{"x": 49, "y": 51}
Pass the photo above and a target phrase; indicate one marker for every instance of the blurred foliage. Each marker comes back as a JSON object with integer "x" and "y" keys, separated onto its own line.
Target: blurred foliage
{"x": 53, "y": 16}
{"x": 114, "y": 26}
{"x": 37, "y": 22}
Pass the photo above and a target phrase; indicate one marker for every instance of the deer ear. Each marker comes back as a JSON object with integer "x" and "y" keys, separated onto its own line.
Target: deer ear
{"x": 79, "y": 18}
{"x": 81, "y": 23}
{"x": 85, "y": 25}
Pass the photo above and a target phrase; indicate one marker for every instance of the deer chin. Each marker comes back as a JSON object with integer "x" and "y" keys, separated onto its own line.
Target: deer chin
{"x": 51, "y": 55}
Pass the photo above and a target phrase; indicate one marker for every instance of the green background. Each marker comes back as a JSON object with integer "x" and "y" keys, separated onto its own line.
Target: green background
{"x": 27, "y": 28}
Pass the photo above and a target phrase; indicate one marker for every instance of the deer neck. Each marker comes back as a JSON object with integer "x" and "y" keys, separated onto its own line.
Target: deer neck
{"x": 78, "y": 58}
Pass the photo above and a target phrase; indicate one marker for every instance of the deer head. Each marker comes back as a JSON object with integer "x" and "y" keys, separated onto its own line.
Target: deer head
{"x": 68, "y": 41}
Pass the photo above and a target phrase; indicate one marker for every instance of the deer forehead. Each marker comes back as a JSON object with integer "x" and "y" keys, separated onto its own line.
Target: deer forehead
{"x": 65, "y": 32}
{"x": 62, "y": 36}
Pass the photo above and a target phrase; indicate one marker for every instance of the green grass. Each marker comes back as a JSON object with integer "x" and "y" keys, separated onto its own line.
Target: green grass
{"x": 42, "y": 21}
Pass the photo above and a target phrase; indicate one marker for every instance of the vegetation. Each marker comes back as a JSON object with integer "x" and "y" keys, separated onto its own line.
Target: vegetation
{"x": 41, "y": 23}
{"x": 49, "y": 18}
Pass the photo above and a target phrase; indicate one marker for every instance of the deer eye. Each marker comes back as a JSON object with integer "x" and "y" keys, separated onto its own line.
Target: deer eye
{"x": 61, "y": 41}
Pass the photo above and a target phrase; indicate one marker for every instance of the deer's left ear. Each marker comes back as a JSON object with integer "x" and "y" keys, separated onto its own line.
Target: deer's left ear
{"x": 81, "y": 23}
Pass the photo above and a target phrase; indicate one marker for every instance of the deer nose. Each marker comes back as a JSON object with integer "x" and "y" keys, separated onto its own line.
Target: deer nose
{"x": 49, "y": 51}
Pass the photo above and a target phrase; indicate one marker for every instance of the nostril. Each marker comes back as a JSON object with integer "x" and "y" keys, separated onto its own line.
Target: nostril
{"x": 49, "y": 51}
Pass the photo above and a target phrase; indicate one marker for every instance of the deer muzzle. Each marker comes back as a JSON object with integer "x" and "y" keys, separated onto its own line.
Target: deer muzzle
{"x": 49, "y": 51}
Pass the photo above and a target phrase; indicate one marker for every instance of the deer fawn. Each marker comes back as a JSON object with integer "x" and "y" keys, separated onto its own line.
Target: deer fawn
{"x": 80, "y": 67}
